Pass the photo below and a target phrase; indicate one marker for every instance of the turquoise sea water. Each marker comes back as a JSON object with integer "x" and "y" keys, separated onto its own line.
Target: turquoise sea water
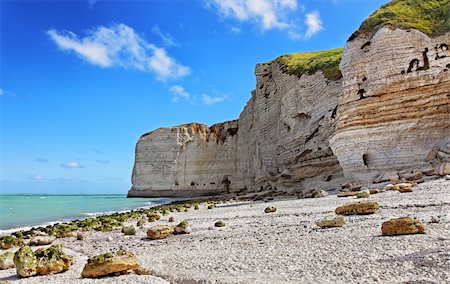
{"x": 18, "y": 211}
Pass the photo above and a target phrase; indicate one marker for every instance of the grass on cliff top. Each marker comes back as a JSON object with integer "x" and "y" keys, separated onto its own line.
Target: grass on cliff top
{"x": 428, "y": 16}
{"x": 311, "y": 62}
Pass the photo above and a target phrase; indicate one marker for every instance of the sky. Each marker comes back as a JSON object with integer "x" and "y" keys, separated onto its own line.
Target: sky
{"x": 81, "y": 81}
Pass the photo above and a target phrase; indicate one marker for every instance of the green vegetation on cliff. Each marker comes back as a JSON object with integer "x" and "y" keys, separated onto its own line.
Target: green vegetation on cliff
{"x": 428, "y": 16}
{"x": 310, "y": 62}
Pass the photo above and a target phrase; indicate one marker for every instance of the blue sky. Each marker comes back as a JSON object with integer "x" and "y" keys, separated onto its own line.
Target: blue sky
{"x": 80, "y": 81}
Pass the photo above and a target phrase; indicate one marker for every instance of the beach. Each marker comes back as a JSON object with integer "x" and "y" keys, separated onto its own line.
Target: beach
{"x": 280, "y": 247}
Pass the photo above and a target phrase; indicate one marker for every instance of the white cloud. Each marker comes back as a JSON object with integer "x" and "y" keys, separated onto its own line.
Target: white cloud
{"x": 179, "y": 92}
{"x": 314, "y": 24}
{"x": 210, "y": 100}
{"x": 72, "y": 165}
{"x": 91, "y": 3}
{"x": 119, "y": 45}
{"x": 166, "y": 39}
{"x": 38, "y": 178}
{"x": 267, "y": 14}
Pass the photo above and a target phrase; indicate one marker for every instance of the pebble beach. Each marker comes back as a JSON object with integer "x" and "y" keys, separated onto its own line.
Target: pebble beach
{"x": 285, "y": 246}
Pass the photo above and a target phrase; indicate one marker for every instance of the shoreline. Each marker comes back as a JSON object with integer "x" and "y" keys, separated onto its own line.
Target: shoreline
{"x": 88, "y": 215}
{"x": 280, "y": 247}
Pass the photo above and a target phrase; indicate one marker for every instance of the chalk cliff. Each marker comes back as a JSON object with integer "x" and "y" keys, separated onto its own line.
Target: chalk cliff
{"x": 314, "y": 120}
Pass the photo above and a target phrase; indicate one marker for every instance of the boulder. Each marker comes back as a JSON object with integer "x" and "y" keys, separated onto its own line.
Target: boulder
{"x": 270, "y": 209}
{"x": 443, "y": 156}
{"x": 358, "y": 208}
{"x": 129, "y": 230}
{"x": 402, "y": 226}
{"x": 351, "y": 186}
{"x": 80, "y": 236}
{"x": 219, "y": 224}
{"x": 443, "y": 169}
{"x": 109, "y": 263}
{"x": 347, "y": 193}
{"x": 52, "y": 260}
{"x": 363, "y": 194}
{"x": 412, "y": 176}
{"x": 404, "y": 187}
{"x": 41, "y": 240}
{"x": 6, "y": 260}
{"x": 386, "y": 176}
{"x": 331, "y": 221}
{"x": 183, "y": 228}
{"x": 7, "y": 242}
{"x": 374, "y": 191}
{"x": 25, "y": 261}
{"x": 320, "y": 193}
{"x": 159, "y": 232}
{"x": 43, "y": 261}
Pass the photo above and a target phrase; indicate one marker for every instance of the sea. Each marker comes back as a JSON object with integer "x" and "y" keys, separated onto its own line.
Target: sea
{"x": 25, "y": 211}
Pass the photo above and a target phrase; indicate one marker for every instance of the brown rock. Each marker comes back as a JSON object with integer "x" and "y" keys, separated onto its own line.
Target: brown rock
{"x": 358, "y": 208}
{"x": 346, "y": 193}
{"x": 429, "y": 171}
{"x": 331, "y": 221}
{"x": 108, "y": 263}
{"x": 404, "y": 187}
{"x": 52, "y": 260}
{"x": 402, "y": 226}
{"x": 160, "y": 232}
{"x": 41, "y": 240}
{"x": 25, "y": 262}
{"x": 374, "y": 191}
{"x": 351, "y": 186}
{"x": 443, "y": 169}
{"x": 412, "y": 176}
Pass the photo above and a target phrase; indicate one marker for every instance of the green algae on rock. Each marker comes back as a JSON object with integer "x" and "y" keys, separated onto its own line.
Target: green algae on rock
{"x": 310, "y": 62}
{"x": 7, "y": 242}
{"x": 6, "y": 260}
{"x": 109, "y": 263}
{"x": 428, "y": 16}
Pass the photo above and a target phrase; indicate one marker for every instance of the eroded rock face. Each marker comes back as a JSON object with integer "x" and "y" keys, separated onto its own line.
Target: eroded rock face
{"x": 402, "y": 226}
{"x": 389, "y": 113}
{"x": 280, "y": 140}
{"x": 108, "y": 263}
{"x": 394, "y": 107}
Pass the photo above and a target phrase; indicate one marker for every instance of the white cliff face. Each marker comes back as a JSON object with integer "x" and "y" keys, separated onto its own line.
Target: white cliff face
{"x": 284, "y": 129}
{"x": 187, "y": 160}
{"x": 279, "y": 141}
{"x": 394, "y": 107}
{"x": 390, "y": 112}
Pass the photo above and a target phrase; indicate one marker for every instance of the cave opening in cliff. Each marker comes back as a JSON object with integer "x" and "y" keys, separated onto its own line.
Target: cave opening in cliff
{"x": 366, "y": 159}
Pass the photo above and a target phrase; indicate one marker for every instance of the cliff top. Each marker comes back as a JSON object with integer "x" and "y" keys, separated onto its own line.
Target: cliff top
{"x": 428, "y": 16}
{"x": 311, "y": 62}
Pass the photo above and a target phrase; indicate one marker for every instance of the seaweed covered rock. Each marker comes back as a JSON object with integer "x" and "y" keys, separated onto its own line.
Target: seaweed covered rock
{"x": 52, "y": 260}
{"x": 159, "y": 232}
{"x": 358, "y": 208}
{"x": 25, "y": 261}
{"x": 129, "y": 230}
{"x": 41, "y": 240}
{"x": 402, "y": 226}
{"x": 219, "y": 224}
{"x": 42, "y": 262}
{"x": 183, "y": 228}
{"x": 7, "y": 242}
{"x": 6, "y": 260}
{"x": 270, "y": 209}
{"x": 331, "y": 221}
{"x": 109, "y": 263}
